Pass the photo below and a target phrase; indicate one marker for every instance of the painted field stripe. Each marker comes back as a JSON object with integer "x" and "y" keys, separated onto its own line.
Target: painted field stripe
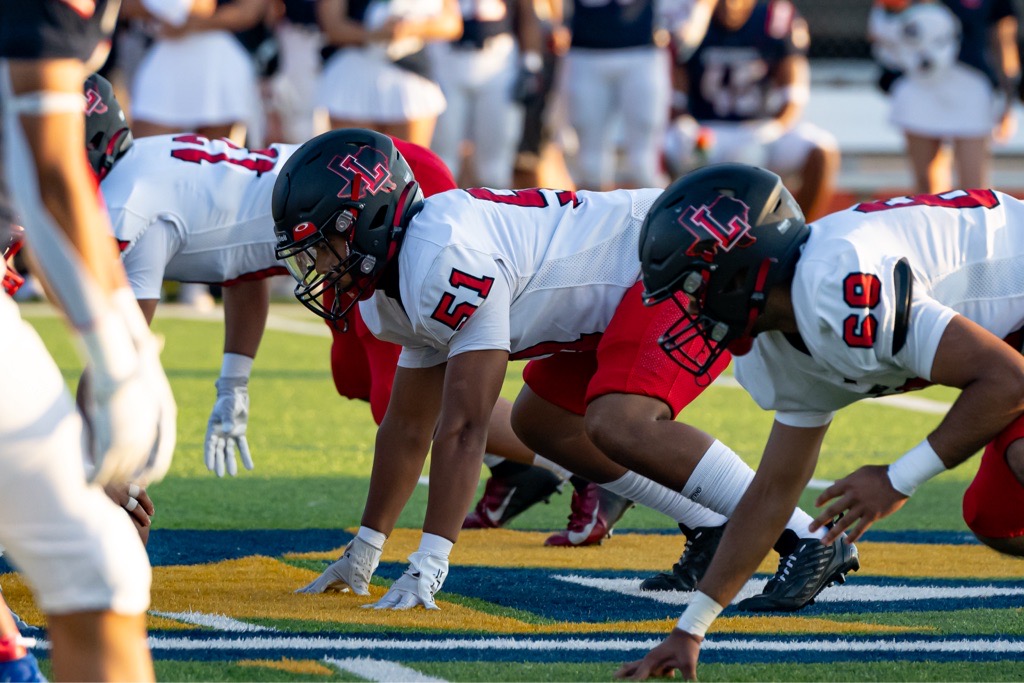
{"x": 895, "y": 644}
{"x": 219, "y": 622}
{"x": 853, "y": 592}
{"x": 379, "y": 670}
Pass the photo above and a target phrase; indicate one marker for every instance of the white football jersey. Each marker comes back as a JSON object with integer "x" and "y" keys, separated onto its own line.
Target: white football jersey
{"x": 863, "y": 336}
{"x": 214, "y": 193}
{"x": 527, "y": 271}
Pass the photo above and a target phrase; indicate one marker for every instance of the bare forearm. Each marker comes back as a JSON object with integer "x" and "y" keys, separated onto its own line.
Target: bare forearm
{"x": 982, "y": 410}
{"x": 245, "y": 316}
{"x": 397, "y": 465}
{"x": 457, "y": 465}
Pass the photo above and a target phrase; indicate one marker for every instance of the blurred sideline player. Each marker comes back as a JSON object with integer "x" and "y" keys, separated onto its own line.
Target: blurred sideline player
{"x": 480, "y": 74}
{"x": 744, "y": 88}
{"x": 466, "y": 281}
{"x": 615, "y": 73}
{"x": 87, "y": 567}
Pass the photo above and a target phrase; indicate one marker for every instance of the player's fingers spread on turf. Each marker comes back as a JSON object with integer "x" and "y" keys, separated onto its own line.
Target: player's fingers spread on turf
{"x": 630, "y": 670}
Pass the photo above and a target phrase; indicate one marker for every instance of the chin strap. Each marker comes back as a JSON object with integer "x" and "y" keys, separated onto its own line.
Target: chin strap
{"x": 757, "y": 298}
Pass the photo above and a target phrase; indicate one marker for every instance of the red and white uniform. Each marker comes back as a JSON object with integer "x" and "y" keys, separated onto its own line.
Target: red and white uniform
{"x": 188, "y": 209}
{"x": 966, "y": 253}
{"x": 532, "y": 272}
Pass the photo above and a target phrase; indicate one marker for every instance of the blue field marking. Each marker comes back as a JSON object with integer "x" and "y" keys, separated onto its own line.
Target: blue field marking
{"x": 188, "y": 547}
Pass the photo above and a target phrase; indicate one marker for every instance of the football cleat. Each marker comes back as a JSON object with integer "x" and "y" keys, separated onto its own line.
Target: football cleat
{"x": 22, "y": 670}
{"x": 593, "y": 513}
{"x": 508, "y": 494}
{"x": 700, "y": 547}
{"x": 808, "y": 570}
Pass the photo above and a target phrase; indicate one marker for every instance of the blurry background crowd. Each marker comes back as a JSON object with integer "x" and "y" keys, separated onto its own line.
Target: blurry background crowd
{"x": 598, "y": 94}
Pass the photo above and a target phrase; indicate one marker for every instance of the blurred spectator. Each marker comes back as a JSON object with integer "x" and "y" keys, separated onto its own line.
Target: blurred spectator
{"x": 539, "y": 160}
{"x": 196, "y": 76}
{"x": 954, "y": 71}
{"x": 291, "y": 93}
{"x": 379, "y": 76}
{"x": 741, "y": 96}
{"x": 486, "y": 75}
{"x": 615, "y": 75}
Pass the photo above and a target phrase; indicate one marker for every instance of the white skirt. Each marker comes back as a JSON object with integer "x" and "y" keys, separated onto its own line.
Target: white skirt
{"x": 361, "y": 84}
{"x": 959, "y": 104}
{"x": 204, "y": 79}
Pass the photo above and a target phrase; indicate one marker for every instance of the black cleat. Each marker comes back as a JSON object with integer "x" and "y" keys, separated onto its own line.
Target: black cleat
{"x": 808, "y": 570}
{"x": 508, "y": 492}
{"x": 701, "y": 544}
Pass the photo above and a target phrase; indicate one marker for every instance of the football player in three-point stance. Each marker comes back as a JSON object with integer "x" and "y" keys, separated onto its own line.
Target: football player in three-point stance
{"x": 881, "y": 298}
{"x": 467, "y": 280}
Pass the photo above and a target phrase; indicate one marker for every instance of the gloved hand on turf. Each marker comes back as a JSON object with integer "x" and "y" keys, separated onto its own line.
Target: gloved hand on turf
{"x": 418, "y": 585}
{"x": 226, "y": 429}
{"x": 352, "y": 571}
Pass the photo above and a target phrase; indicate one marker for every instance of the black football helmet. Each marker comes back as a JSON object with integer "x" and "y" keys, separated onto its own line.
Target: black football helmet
{"x": 349, "y": 182}
{"x": 107, "y": 136}
{"x": 714, "y": 243}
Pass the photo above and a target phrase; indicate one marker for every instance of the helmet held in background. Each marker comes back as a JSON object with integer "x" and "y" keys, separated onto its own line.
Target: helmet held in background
{"x": 107, "y": 136}
{"x": 714, "y": 243}
{"x": 344, "y": 199}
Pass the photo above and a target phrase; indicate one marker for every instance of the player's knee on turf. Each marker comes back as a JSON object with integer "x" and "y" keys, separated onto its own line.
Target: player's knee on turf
{"x": 1008, "y": 546}
{"x": 992, "y": 503}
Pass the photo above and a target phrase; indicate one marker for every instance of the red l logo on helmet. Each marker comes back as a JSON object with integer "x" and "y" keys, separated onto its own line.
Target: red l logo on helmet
{"x": 367, "y": 169}
{"x": 725, "y": 220}
{"x": 94, "y": 103}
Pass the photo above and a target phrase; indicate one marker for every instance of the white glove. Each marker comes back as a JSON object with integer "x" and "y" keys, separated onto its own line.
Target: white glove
{"x": 352, "y": 571}
{"x": 226, "y": 428}
{"x": 418, "y": 585}
{"x": 132, "y": 420}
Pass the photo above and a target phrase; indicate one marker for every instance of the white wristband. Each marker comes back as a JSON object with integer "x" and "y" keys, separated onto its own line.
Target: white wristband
{"x": 236, "y": 365}
{"x": 372, "y": 537}
{"x": 435, "y": 545}
{"x": 917, "y": 466}
{"x": 699, "y": 614}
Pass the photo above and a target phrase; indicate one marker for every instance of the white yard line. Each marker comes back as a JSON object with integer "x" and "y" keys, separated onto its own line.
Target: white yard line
{"x": 856, "y": 592}
{"x": 379, "y": 670}
{"x": 219, "y": 622}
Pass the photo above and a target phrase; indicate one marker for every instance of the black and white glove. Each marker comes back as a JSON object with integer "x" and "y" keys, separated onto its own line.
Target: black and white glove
{"x": 418, "y": 585}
